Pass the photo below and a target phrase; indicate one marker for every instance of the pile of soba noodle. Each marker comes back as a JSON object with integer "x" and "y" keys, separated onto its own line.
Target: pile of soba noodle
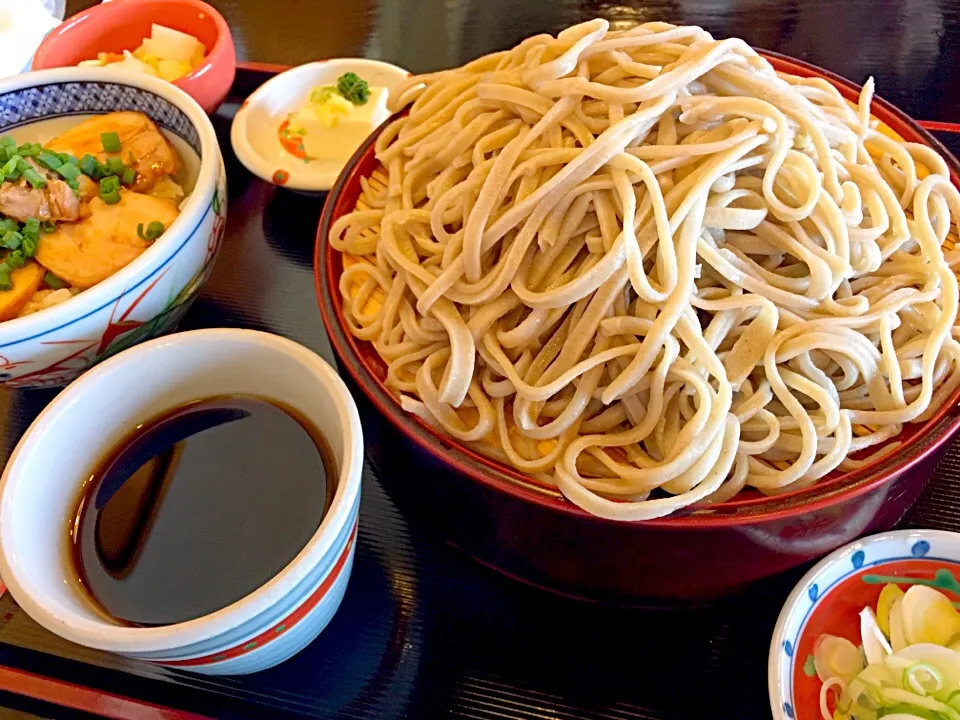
{"x": 646, "y": 268}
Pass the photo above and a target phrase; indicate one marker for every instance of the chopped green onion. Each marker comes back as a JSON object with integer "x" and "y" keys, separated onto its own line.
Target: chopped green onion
{"x": 74, "y": 185}
{"x": 15, "y": 260}
{"x": 7, "y": 141}
{"x": 69, "y": 171}
{"x": 53, "y": 282}
{"x": 11, "y": 240}
{"x": 23, "y": 166}
{"x": 111, "y": 183}
{"x": 11, "y": 165}
{"x": 922, "y": 678}
{"x": 34, "y": 178}
{"x": 129, "y": 176}
{"x": 153, "y": 231}
{"x": 908, "y": 709}
{"x": 31, "y": 228}
{"x": 68, "y": 158}
{"x": 111, "y": 141}
{"x": 88, "y": 165}
{"x": 6, "y": 284}
{"x": 49, "y": 159}
{"x": 8, "y": 225}
{"x": 110, "y": 198}
{"x": 29, "y": 247}
{"x": 115, "y": 166}
{"x": 48, "y": 226}
{"x": 29, "y": 149}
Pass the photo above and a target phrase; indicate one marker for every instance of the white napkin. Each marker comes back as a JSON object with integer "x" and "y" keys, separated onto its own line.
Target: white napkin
{"x": 23, "y": 24}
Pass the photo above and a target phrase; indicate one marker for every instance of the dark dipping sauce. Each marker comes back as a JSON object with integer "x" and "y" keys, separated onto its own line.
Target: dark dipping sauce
{"x": 198, "y": 507}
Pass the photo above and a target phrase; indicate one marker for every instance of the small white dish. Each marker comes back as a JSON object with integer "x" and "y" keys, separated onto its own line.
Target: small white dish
{"x": 255, "y": 134}
{"x": 41, "y": 482}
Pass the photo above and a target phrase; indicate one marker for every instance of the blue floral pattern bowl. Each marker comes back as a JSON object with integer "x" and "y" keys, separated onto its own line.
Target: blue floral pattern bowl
{"x": 830, "y": 597}
{"x": 148, "y": 296}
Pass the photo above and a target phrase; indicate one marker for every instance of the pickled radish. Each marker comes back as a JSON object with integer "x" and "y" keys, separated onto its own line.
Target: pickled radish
{"x": 167, "y": 53}
{"x": 169, "y": 44}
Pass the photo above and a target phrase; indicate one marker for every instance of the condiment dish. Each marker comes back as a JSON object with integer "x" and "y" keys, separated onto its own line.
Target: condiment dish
{"x": 831, "y": 596}
{"x": 256, "y": 134}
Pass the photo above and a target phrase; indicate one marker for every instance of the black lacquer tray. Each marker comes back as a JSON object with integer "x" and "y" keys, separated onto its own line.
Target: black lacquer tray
{"x": 423, "y": 632}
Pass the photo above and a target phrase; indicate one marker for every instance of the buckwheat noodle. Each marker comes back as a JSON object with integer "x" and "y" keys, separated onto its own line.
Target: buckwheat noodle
{"x": 645, "y": 267}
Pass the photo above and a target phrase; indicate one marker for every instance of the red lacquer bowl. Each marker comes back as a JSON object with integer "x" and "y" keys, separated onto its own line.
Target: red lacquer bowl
{"x": 507, "y": 521}
{"x": 123, "y": 24}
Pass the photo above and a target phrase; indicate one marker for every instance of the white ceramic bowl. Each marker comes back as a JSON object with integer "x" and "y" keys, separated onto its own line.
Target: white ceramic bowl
{"x": 148, "y": 296}
{"x": 41, "y": 482}
{"x": 830, "y": 596}
{"x": 254, "y": 134}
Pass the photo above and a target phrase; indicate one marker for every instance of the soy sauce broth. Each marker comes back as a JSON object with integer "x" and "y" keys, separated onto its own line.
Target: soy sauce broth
{"x": 197, "y": 508}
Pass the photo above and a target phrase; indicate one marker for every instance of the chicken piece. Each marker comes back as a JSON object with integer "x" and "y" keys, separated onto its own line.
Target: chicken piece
{"x": 64, "y": 203}
{"x": 154, "y": 156}
{"x": 56, "y": 201}
{"x": 26, "y": 280}
{"x": 103, "y": 242}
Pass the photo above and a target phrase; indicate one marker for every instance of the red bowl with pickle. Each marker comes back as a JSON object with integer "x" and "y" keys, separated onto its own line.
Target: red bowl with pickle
{"x": 111, "y": 28}
{"x": 525, "y": 529}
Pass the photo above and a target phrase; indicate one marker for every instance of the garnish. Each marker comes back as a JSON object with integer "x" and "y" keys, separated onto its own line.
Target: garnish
{"x": 907, "y": 665}
{"x": 88, "y": 165}
{"x": 29, "y": 247}
{"x": 353, "y": 88}
{"x": 34, "y": 178}
{"x": 110, "y": 190}
{"x": 110, "y": 141}
{"x": 11, "y": 240}
{"x": 49, "y": 160}
{"x": 29, "y": 150}
{"x": 9, "y": 169}
{"x": 15, "y": 260}
{"x": 68, "y": 171}
{"x": 53, "y": 282}
{"x": 322, "y": 94}
{"x": 153, "y": 231}
{"x": 31, "y": 229}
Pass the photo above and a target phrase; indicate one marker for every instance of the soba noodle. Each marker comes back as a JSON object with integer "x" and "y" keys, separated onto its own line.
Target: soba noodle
{"x": 646, "y": 267}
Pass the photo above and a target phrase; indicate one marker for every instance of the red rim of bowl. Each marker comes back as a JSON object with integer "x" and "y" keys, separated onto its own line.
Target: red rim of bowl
{"x": 361, "y": 365}
{"x": 57, "y": 34}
